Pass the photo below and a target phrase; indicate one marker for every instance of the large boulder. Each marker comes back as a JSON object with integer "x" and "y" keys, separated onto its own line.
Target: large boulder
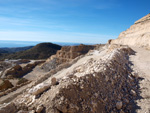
{"x": 40, "y": 88}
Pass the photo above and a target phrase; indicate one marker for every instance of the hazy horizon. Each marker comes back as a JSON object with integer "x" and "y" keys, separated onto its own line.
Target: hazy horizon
{"x": 16, "y": 43}
{"x": 77, "y": 21}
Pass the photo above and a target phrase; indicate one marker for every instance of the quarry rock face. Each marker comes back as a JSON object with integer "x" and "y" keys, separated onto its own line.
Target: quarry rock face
{"x": 137, "y": 35}
{"x": 99, "y": 82}
{"x": 66, "y": 54}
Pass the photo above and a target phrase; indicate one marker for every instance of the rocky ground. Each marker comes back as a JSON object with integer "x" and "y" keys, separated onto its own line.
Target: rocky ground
{"x": 14, "y": 70}
{"x": 14, "y": 78}
{"x": 137, "y": 35}
{"x": 101, "y": 81}
{"x": 109, "y": 79}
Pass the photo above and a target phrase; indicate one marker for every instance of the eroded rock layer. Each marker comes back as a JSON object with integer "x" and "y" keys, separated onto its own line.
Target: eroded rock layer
{"x": 66, "y": 54}
{"x": 137, "y": 35}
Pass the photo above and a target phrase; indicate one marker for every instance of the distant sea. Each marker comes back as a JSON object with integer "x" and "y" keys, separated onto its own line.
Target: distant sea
{"x": 9, "y": 44}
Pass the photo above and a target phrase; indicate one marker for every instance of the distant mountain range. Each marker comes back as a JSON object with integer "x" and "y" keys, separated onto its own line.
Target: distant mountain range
{"x": 14, "y": 49}
{"x": 40, "y": 51}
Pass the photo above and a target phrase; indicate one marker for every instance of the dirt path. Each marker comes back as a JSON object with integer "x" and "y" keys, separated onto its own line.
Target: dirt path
{"x": 141, "y": 64}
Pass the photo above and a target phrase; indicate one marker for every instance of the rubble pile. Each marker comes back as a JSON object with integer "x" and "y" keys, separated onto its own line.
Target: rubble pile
{"x": 105, "y": 85}
{"x": 101, "y": 84}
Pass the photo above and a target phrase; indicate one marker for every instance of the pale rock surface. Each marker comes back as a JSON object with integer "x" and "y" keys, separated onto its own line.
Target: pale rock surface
{"x": 66, "y": 54}
{"x": 39, "y": 88}
{"x": 137, "y": 35}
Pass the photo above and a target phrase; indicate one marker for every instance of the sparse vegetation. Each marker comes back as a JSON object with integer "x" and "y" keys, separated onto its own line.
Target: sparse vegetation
{"x": 40, "y": 51}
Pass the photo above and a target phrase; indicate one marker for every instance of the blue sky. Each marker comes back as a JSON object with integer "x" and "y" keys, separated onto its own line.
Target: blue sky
{"x": 83, "y": 21}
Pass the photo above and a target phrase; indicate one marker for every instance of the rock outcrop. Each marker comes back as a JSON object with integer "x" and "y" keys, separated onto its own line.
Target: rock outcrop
{"x": 137, "y": 35}
{"x": 66, "y": 54}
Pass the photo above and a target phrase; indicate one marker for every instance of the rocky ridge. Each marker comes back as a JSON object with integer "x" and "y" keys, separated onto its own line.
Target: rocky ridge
{"x": 38, "y": 52}
{"x": 137, "y": 35}
{"x": 101, "y": 81}
{"x": 66, "y": 54}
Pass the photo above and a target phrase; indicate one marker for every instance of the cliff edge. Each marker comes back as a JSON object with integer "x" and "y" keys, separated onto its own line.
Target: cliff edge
{"x": 137, "y": 35}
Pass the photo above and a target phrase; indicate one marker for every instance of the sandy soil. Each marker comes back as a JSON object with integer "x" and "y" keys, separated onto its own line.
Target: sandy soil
{"x": 141, "y": 64}
{"x": 35, "y": 73}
